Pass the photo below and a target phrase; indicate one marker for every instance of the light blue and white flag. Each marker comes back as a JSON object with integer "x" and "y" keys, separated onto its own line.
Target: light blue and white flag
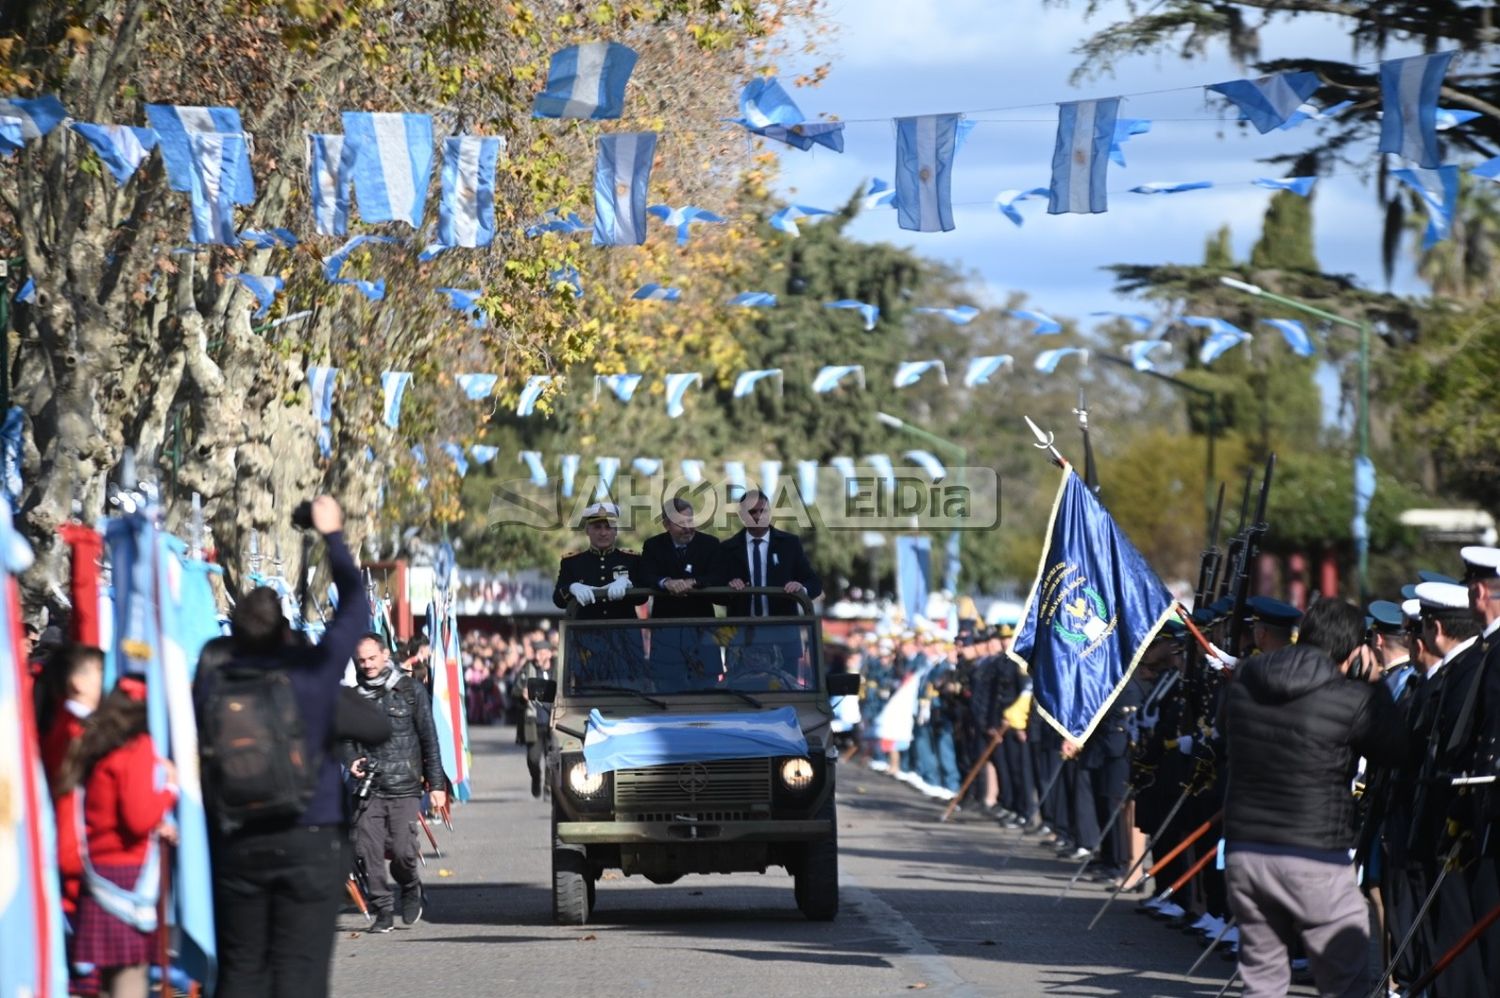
{"x": 1141, "y": 323}
{"x": 320, "y": 385}
{"x": 787, "y": 218}
{"x": 1080, "y": 160}
{"x": 656, "y": 292}
{"x": 959, "y": 315}
{"x": 329, "y": 177}
{"x": 586, "y": 81}
{"x": 1438, "y": 190}
{"x": 1294, "y": 333}
{"x": 1364, "y": 494}
{"x": 870, "y": 313}
{"x": 1139, "y": 353}
{"x": 1300, "y": 186}
{"x": 925, "y": 146}
{"x": 12, "y": 456}
{"x": 692, "y": 470}
{"x": 634, "y": 742}
{"x": 1409, "y": 94}
{"x": 466, "y": 210}
{"x": 534, "y": 466}
{"x": 214, "y": 155}
{"x": 1047, "y": 360}
{"x": 456, "y": 452}
{"x": 483, "y": 453}
{"x": 764, "y": 102}
{"x": 264, "y": 287}
{"x": 466, "y": 300}
{"x": 1222, "y": 336}
{"x": 37, "y": 115}
{"x": 27, "y": 294}
{"x": 909, "y": 372}
{"x": 770, "y": 476}
{"x": 879, "y": 194}
{"x": 174, "y": 124}
{"x": 535, "y": 385}
{"x": 845, "y": 467}
{"x": 1043, "y": 324}
{"x": 828, "y": 134}
{"x": 419, "y": 454}
{"x": 981, "y": 369}
{"x": 622, "y": 385}
{"x": 1006, "y": 201}
{"x": 676, "y": 385}
{"x": 477, "y": 386}
{"x": 1311, "y": 112}
{"x": 568, "y": 277}
{"x": 645, "y": 466}
{"x": 568, "y": 469}
{"x": 929, "y": 464}
{"x": 734, "y": 474}
{"x": 622, "y": 182}
{"x": 1171, "y": 186}
{"x": 754, "y": 299}
{"x": 745, "y": 383}
{"x": 121, "y": 148}
{"x": 828, "y": 378}
{"x": 12, "y": 140}
{"x": 1125, "y": 130}
{"x": 807, "y": 481}
{"x": 333, "y": 263}
{"x": 269, "y": 239}
{"x": 1448, "y": 117}
{"x": 555, "y": 221}
{"x": 913, "y": 575}
{"x": 1488, "y": 170}
{"x": 391, "y": 164}
{"x": 607, "y": 468}
{"x": 881, "y": 465}
{"x": 682, "y": 219}
{"x": 1269, "y": 101}
{"x": 394, "y": 385}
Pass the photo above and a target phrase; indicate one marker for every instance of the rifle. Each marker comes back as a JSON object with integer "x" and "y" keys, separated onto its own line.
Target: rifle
{"x": 1237, "y": 541}
{"x": 1248, "y": 554}
{"x": 1208, "y": 565}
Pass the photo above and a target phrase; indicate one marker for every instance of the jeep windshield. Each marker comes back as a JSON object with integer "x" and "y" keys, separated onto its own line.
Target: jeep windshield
{"x": 670, "y": 657}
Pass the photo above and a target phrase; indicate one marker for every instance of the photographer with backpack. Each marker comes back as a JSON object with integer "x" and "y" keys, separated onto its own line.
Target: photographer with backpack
{"x": 268, "y": 731}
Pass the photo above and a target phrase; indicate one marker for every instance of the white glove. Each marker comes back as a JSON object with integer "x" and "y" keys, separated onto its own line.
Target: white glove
{"x": 1224, "y": 659}
{"x": 582, "y": 593}
{"x": 1185, "y": 744}
{"x": 1147, "y": 719}
{"x": 924, "y": 712}
{"x": 616, "y": 589}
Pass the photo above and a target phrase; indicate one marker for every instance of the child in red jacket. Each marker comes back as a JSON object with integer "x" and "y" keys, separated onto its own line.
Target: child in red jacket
{"x": 69, "y": 691}
{"x": 115, "y": 766}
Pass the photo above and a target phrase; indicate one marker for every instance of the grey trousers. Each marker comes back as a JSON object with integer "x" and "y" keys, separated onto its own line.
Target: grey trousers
{"x": 387, "y": 825}
{"x": 1277, "y": 900}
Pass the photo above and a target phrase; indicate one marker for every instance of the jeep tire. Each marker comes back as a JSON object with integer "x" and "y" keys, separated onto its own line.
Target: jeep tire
{"x": 816, "y": 883}
{"x": 572, "y": 881}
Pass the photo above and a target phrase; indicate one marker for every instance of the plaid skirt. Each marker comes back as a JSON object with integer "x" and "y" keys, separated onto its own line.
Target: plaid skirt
{"x": 103, "y": 940}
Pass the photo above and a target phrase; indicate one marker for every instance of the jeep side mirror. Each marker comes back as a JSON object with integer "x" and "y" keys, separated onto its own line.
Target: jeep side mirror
{"x": 843, "y": 684}
{"x": 541, "y": 690}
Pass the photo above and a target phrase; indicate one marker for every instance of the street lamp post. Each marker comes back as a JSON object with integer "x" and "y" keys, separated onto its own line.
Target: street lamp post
{"x": 1362, "y": 539}
{"x": 961, "y": 455}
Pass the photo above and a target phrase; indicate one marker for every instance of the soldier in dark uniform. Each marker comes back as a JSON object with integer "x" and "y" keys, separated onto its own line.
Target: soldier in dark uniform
{"x": 597, "y": 580}
{"x": 1104, "y": 772}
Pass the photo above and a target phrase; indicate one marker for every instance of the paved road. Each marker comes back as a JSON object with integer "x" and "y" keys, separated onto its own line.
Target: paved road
{"x": 925, "y": 907}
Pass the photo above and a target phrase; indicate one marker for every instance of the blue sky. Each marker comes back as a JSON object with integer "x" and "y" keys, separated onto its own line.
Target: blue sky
{"x": 904, "y": 57}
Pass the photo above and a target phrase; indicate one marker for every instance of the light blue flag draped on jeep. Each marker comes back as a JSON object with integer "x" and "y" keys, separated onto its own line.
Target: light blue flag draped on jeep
{"x": 1094, "y": 609}
{"x": 633, "y": 742}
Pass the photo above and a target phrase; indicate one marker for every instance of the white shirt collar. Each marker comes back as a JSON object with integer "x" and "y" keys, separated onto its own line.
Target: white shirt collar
{"x": 1453, "y": 653}
{"x": 1492, "y": 628}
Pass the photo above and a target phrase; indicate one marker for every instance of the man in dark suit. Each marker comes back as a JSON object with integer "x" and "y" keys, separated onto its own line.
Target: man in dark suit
{"x": 761, "y": 555}
{"x": 678, "y": 562}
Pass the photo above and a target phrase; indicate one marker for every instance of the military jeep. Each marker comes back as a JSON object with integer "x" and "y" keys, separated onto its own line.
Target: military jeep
{"x": 712, "y": 749}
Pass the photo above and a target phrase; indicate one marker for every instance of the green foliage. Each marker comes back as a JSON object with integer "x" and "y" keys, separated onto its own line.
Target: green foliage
{"x": 1286, "y": 236}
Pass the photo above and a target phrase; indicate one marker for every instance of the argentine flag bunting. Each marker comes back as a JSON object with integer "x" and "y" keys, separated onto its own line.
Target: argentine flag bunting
{"x": 1125, "y": 130}
{"x": 692, "y": 470}
{"x": 606, "y": 468}
{"x": 568, "y": 468}
{"x": 534, "y": 466}
{"x": 329, "y": 179}
{"x": 456, "y": 452}
{"x": 12, "y": 138}
{"x": 1409, "y": 95}
{"x": 1223, "y": 336}
{"x": 320, "y": 385}
{"x": 676, "y": 385}
{"x": 1438, "y": 190}
{"x": 1139, "y": 353}
{"x": 1294, "y": 333}
{"x": 765, "y": 102}
{"x": 466, "y": 211}
{"x": 1093, "y": 611}
{"x": 264, "y": 288}
{"x": 1047, "y": 360}
{"x": 622, "y": 385}
{"x": 754, "y": 299}
{"x": 807, "y": 481}
{"x": 925, "y": 147}
{"x": 786, "y": 219}
{"x": 394, "y": 384}
{"x": 928, "y": 462}
{"x": 1267, "y": 103}
{"x": 645, "y": 466}
{"x": 770, "y": 476}
{"x": 483, "y": 453}
{"x": 827, "y": 379}
{"x": 1080, "y": 161}
{"x": 477, "y": 386}
{"x": 121, "y": 148}
{"x": 622, "y": 181}
{"x": 1171, "y": 186}
{"x": 981, "y": 369}
{"x": 745, "y": 383}
{"x": 1043, "y": 324}
{"x": 214, "y": 155}
{"x": 656, "y": 292}
{"x": 391, "y": 156}
{"x": 586, "y": 81}
{"x": 36, "y": 115}
{"x": 1300, "y": 186}
{"x": 734, "y": 474}
{"x": 535, "y": 385}
{"x": 844, "y": 465}
{"x": 870, "y": 313}
{"x": 879, "y": 194}
{"x": 959, "y": 315}
{"x": 1006, "y": 201}
{"x": 174, "y": 124}
{"x": 911, "y": 371}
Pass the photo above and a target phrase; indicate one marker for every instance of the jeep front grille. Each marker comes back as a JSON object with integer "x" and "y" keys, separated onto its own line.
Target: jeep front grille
{"x": 694, "y": 786}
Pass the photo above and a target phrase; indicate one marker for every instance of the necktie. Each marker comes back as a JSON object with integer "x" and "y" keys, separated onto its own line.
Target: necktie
{"x": 757, "y": 576}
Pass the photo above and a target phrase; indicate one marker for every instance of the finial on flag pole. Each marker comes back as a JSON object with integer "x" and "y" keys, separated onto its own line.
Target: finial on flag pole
{"x": 1044, "y": 442}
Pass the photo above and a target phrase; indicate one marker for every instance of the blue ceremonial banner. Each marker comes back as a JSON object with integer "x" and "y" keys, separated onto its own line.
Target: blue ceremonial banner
{"x": 913, "y": 574}
{"x": 1094, "y": 609}
{"x": 634, "y": 742}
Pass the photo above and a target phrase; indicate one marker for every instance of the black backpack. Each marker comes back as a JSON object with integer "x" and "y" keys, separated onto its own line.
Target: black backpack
{"x": 255, "y": 765}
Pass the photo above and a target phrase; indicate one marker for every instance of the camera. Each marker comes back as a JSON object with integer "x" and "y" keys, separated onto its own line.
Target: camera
{"x": 1362, "y": 667}
{"x": 302, "y": 515}
{"x": 367, "y": 784}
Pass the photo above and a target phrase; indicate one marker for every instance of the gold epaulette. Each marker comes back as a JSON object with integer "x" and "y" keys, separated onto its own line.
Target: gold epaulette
{"x": 575, "y": 554}
{"x": 626, "y": 551}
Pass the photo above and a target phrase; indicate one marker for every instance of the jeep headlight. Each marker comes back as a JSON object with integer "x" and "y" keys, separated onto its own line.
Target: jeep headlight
{"x": 797, "y": 774}
{"x": 582, "y": 782}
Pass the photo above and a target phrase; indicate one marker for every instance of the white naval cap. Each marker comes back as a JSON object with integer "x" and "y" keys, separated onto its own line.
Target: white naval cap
{"x": 601, "y": 511}
{"x": 1442, "y": 596}
{"x": 1480, "y": 562}
{"x": 1412, "y": 608}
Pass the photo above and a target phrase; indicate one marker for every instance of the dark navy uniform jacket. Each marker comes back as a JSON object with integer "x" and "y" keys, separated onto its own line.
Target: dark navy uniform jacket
{"x": 599, "y": 568}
